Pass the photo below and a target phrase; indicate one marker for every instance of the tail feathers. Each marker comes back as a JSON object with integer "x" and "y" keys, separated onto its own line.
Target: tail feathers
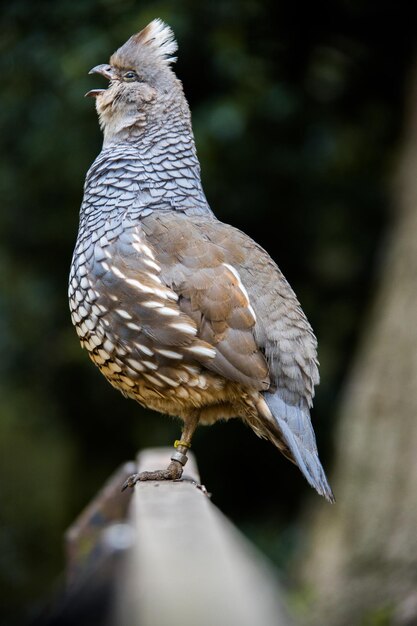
{"x": 297, "y": 433}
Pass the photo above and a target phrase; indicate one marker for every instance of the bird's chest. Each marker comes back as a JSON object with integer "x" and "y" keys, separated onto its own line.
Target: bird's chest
{"x": 105, "y": 328}
{"x": 134, "y": 361}
{"x": 131, "y": 326}
{"x": 101, "y": 307}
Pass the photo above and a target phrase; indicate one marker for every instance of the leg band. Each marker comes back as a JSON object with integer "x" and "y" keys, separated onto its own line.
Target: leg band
{"x": 180, "y": 457}
{"x": 180, "y": 442}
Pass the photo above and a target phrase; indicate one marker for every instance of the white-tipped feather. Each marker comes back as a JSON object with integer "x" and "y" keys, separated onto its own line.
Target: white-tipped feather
{"x": 160, "y": 37}
{"x": 204, "y": 351}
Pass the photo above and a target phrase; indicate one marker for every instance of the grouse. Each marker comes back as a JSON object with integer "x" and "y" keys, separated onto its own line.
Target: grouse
{"x": 186, "y": 315}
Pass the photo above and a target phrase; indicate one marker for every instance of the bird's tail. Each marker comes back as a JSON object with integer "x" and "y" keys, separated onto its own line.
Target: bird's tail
{"x": 296, "y": 431}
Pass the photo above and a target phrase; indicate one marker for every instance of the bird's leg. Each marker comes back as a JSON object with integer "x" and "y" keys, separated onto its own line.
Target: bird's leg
{"x": 178, "y": 458}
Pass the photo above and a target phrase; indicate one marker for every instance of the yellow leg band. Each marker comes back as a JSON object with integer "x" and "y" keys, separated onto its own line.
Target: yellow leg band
{"x": 180, "y": 442}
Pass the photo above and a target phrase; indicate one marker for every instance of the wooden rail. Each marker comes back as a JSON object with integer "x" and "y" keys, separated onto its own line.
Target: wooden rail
{"x": 166, "y": 556}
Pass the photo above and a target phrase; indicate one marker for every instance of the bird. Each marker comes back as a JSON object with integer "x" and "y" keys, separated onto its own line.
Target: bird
{"x": 181, "y": 312}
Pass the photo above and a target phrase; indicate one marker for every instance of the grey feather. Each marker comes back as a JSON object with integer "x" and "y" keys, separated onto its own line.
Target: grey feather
{"x": 297, "y": 432}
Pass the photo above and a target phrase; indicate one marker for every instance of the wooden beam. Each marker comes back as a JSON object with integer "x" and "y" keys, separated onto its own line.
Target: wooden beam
{"x": 188, "y": 565}
{"x": 85, "y": 540}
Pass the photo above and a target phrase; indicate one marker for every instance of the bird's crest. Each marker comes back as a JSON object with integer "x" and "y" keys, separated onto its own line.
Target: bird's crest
{"x": 156, "y": 41}
{"x": 159, "y": 36}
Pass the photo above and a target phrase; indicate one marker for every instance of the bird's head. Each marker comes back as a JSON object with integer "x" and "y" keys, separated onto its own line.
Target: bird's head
{"x": 142, "y": 85}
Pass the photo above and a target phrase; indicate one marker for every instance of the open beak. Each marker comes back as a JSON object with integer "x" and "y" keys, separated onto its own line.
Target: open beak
{"x": 106, "y": 71}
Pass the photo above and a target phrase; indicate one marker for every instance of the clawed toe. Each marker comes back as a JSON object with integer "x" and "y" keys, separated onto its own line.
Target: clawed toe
{"x": 172, "y": 472}
{"x": 130, "y": 482}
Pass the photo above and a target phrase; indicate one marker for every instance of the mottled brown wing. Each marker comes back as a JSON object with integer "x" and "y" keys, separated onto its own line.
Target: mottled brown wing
{"x": 212, "y": 294}
{"x": 282, "y": 333}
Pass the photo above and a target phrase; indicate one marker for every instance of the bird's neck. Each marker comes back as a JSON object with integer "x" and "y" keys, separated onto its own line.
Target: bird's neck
{"x": 155, "y": 169}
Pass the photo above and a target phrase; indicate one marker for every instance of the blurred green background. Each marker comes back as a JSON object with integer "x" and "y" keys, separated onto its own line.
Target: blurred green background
{"x": 298, "y": 110}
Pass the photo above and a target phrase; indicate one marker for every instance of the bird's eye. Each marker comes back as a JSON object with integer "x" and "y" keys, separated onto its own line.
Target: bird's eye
{"x": 130, "y": 75}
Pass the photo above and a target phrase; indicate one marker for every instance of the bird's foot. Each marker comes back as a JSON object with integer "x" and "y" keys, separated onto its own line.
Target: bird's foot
{"x": 172, "y": 472}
